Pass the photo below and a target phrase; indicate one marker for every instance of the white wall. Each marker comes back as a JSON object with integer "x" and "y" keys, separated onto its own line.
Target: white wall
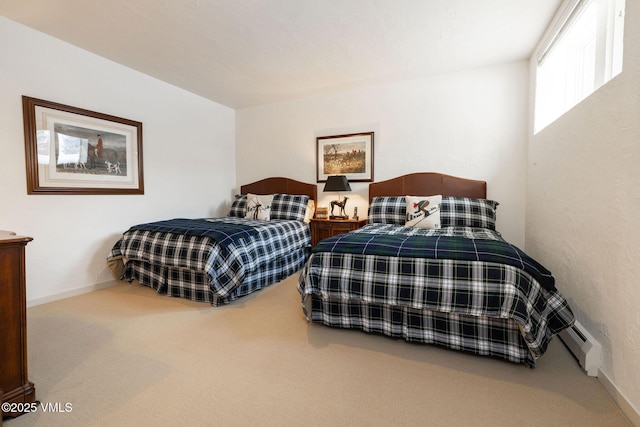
{"x": 583, "y": 213}
{"x": 471, "y": 124}
{"x": 188, "y": 153}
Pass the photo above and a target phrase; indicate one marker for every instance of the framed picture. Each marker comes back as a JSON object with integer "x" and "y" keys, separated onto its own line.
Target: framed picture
{"x": 350, "y": 155}
{"x": 70, "y": 150}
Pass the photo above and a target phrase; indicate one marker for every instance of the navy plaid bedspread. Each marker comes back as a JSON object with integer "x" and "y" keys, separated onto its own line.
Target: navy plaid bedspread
{"x": 437, "y": 246}
{"x": 223, "y": 233}
{"x": 226, "y": 249}
{"x": 342, "y": 269}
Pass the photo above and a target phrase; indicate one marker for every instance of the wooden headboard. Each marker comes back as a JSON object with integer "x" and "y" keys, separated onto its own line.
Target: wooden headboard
{"x": 281, "y": 185}
{"x": 429, "y": 184}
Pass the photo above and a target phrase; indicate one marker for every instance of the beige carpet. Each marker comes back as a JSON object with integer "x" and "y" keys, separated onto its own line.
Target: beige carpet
{"x": 125, "y": 356}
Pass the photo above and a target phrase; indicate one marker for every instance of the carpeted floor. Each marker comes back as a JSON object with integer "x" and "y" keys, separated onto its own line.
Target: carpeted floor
{"x": 125, "y": 356}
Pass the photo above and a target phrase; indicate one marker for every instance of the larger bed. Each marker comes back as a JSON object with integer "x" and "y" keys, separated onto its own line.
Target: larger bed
{"x": 434, "y": 270}
{"x": 218, "y": 260}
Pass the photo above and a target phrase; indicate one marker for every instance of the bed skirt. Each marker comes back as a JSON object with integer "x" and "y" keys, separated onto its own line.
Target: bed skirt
{"x": 197, "y": 285}
{"x": 478, "y": 335}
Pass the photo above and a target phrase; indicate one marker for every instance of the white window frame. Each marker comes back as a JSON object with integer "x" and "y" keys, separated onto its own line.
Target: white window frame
{"x": 600, "y": 59}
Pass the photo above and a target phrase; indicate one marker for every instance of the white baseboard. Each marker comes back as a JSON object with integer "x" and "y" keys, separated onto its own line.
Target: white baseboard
{"x": 70, "y": 293}
{"x": 629, "y": 410}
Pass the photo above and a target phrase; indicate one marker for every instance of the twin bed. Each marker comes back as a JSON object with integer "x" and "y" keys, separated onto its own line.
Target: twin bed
{"x": 218, "y": 260}
{"x": 424, "y": 269}
{"x": 460, "y": 286}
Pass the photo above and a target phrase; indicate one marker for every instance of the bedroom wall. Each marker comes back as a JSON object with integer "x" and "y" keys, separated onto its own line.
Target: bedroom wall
{"x": 188, "y": 153}
{"x": 471, "y": 124}
{"x": 582, "y": 214}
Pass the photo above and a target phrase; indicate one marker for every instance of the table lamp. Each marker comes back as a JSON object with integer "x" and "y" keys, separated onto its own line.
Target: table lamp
{"x": 338, "y": 183}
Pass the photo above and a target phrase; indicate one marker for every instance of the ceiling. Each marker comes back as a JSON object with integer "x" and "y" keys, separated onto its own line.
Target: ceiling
{"x": 243, "y": 53}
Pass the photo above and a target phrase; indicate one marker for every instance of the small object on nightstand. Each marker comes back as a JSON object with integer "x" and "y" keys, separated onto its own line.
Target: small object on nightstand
{"x": 322, "y": 213}
{"x": 355, "y": 213}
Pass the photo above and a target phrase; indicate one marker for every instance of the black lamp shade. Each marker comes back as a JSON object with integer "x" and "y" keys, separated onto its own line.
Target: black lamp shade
{"x": 337, "y": 183}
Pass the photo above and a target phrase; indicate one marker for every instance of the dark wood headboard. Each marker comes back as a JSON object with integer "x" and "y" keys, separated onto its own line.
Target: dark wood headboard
{"x": 429, "y": 184}
{"x": 281, "y": 185}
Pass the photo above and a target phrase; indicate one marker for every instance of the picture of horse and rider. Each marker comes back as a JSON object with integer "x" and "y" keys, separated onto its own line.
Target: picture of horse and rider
{"x": 350, "y": 155}
{"x": 89, "y": 151}
{"x": 345, "y": 158}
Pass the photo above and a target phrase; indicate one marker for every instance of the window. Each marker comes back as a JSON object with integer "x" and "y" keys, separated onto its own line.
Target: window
{"x": 581, "y": 51}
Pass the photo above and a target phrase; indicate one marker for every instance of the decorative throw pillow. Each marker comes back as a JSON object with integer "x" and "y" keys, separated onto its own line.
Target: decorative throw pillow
{"x": 310, "y": 211}
{"x": 423, "y": 212}
{"x": 259, "y": 206}
{"x": 239, "y": 206}
{"x": 289, "y": 206}
{"x": 468, "y": 212}
{"x": 387, "y": 210}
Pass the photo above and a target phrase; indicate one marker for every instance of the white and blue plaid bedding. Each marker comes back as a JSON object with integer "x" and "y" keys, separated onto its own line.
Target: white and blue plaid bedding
{"x": 467, "y": 304}
{"x": 212, "y": 260}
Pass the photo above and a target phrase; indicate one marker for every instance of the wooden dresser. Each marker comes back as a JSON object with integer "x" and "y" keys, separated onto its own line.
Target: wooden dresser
{"x": 324, "y": 228}
{"x": 14, "y": 381}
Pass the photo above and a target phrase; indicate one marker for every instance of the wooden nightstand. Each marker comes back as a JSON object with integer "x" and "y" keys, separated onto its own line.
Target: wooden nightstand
{"x": 324, "y": 228}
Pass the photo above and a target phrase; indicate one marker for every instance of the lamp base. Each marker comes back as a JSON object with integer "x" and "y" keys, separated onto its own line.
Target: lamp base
{"x": 339, "y": 217}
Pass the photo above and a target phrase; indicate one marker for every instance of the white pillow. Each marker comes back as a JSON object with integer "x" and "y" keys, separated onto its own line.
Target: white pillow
{"x": 311, "y": 210}
{"x": 423, "y": 212}
{"x": 259, "y": 206}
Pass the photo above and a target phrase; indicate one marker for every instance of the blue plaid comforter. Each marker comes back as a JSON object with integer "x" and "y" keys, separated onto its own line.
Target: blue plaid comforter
{"x": 434, "y": 245}
{"x": 226, "y": 250}
{"x": 450, "y": 270}
{"x": 224, "y": 233}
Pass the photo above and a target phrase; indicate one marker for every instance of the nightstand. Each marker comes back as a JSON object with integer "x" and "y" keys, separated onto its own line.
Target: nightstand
{"x": 324, "y": 228}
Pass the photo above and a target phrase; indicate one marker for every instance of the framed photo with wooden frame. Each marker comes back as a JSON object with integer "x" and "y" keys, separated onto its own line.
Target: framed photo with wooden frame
{"x": 350, "y": 155}
{"x": 71, "y": 150}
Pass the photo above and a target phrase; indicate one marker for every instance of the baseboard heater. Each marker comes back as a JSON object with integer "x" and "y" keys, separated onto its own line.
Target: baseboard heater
{"x": 584, "y": 347}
